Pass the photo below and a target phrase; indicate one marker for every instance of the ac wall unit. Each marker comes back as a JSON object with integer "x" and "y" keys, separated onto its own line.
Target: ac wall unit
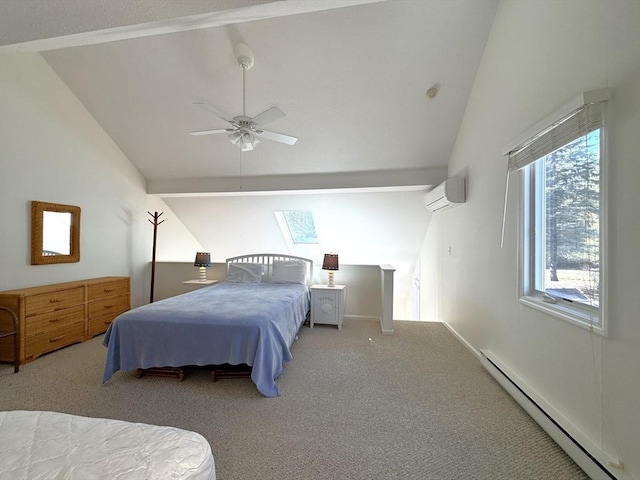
{"x": 448, "y": 194}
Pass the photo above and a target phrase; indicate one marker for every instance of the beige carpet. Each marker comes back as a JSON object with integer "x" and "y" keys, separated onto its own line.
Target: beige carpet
{"x": 355, "y": 405}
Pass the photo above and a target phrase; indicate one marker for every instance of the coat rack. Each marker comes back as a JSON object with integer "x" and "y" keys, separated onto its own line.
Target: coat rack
{"x": 155, "y": 224}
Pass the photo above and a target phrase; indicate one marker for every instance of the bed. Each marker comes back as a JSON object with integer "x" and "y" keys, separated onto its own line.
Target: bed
{"x": 43, "y": 445}
{"x": 251, "y": 318}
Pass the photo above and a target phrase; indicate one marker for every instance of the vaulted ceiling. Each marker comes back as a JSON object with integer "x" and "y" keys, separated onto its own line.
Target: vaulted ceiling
{"x": 350, "y": 75}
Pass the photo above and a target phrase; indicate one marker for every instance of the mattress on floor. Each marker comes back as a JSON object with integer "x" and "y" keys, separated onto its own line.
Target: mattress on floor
{"x": 44, "y": 445}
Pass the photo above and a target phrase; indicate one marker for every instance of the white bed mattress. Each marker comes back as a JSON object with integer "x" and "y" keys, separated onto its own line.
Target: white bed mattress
{"x": 49, "y": 445}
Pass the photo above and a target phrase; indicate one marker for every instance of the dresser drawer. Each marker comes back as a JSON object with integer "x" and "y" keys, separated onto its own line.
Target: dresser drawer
{"x": 99, "y": 325}
{"x": 108, "y": 289}
{"x": 54, "y": 339}
{"x": 53, "y": 301}
{"x": 113, "y": 305}
{"x": 58, "y": 315}
{"x": 41, "y": 324}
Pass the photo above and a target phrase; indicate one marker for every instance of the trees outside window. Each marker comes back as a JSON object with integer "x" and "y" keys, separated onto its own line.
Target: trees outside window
{"x": 569, "y": 193}
{"x": 562, "y": 250}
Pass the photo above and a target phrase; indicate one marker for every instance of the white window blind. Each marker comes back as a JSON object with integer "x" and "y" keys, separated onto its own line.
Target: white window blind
{"x": 575, "y": 125}
{"x": 575, "y": 119}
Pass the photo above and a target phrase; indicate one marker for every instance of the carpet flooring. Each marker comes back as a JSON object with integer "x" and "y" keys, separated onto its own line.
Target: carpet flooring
{"x": 355, "y": 405}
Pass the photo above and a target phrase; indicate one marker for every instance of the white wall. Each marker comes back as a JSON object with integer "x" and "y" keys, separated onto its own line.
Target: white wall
{"x": 52, "y": 150}
{"x": 429, "y": 271}
{"x": 540, "y": 55}
{"x": 362, "y": 227}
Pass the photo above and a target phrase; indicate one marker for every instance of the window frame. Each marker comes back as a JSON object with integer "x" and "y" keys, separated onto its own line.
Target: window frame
{"x": 593, "y": 319}
{"x": 301, "y": 249}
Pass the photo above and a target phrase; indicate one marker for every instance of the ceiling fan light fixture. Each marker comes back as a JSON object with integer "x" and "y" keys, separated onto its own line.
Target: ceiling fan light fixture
{"x": 246, "y": 130}
{"x": 246, "y": 141}
{"x": 235, "y": 137}
{"x": 245, "y": 146}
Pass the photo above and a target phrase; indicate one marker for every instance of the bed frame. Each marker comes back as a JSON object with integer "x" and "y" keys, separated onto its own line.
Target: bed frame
{"x": 267, "y": 259}
{"x": 233, "y": 371}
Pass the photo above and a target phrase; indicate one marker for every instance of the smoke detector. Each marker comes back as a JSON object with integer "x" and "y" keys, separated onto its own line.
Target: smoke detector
{"x": 433, "y": 91}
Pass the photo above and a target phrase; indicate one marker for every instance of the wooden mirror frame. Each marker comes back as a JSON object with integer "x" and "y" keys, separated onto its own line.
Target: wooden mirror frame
{"x": 37, "y": 234}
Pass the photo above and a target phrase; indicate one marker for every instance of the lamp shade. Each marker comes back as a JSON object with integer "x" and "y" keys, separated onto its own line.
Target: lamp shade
{"x": 203, "y": 259}
{"x": 246, "y": 141}
{"x": 330, "y": 262}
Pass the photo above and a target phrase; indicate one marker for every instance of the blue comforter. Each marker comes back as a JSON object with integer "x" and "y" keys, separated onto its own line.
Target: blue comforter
{"x": 235, "y": 323}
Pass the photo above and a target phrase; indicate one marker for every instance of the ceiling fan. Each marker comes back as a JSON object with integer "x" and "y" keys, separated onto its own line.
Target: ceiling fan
{"x": 246, "y": 132}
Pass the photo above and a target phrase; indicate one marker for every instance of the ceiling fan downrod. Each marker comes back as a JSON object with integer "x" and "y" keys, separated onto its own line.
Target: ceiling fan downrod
{"x": 245, "y": 59}
{"x": 247, "y": 131}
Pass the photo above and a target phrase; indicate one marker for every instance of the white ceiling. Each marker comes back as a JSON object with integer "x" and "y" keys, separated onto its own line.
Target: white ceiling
{"x": 351, "y": 81}
{"x": 350, "y": 75}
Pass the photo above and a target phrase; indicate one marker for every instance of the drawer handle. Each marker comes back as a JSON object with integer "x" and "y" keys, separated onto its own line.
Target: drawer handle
{"x": 108, "y": 306}
{"x": 54, "y": 320}
{"x": 55, "y": 339}
{"x": 107, "y": 322}
{"x": 107, "y": 290}
{"x": 54, "y": 300}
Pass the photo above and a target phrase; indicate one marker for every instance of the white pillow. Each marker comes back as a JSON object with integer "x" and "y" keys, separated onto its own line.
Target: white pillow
{"x": 244, "y": 273}
{"x": 289, "y": 272}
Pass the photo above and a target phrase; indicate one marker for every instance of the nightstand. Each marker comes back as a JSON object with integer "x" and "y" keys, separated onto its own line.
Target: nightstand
{"x": 327, "y": 305}
{"x": 191, "y": 285}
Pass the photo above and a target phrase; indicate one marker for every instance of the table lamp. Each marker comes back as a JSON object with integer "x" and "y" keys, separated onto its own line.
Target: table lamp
{"x": 330, "y": 263}
{"x": 203, "y": 260}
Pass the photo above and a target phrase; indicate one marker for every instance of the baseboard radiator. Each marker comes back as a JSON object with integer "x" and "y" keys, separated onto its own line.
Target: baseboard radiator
{"x": 577, "y": 448}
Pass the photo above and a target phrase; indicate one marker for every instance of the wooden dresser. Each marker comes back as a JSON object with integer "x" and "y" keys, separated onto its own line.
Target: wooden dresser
{"x": 55, "y": 316}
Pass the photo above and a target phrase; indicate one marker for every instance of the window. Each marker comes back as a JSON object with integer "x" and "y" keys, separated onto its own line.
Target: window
{"x": 298, "y": 229}
{"x": 562, "y": 252}
{"x": 301, "y": 226}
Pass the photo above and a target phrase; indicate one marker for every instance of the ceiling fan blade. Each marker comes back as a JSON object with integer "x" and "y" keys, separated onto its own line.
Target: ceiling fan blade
{"x": 216, "y": 112}
{"x": 268, "y": 116}
{"x": 277, "y": 137}
{"x": 211, "y": 132}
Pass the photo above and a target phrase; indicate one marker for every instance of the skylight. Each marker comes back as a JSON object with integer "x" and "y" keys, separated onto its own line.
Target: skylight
{"x": 300, "y": 226}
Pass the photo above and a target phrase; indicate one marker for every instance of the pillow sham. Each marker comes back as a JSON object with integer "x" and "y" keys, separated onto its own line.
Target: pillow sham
{"x": 244, "y": 273}
{"x": 289, "y": 272}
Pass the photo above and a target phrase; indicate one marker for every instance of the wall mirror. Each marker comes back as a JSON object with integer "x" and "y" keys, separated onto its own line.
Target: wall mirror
{"x": 55, "y": 233}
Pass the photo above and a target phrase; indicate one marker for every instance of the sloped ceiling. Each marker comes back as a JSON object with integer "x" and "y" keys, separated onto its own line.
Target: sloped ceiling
{"x": 350, "y": 75}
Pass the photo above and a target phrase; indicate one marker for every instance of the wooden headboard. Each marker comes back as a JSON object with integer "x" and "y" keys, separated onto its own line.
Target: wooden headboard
{"x": 267, "y": 259}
